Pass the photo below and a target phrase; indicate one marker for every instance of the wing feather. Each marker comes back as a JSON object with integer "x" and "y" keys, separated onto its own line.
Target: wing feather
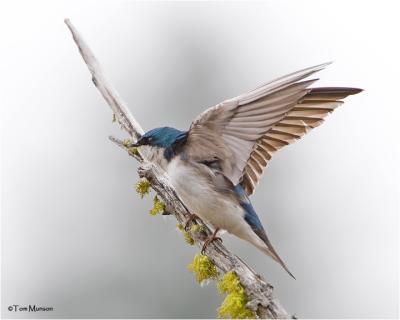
{"x": 244, "y": 132}
{"x": 308, "y": 114}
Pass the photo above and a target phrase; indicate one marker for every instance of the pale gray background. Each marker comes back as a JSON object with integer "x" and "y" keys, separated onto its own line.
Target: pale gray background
{"x": 76, "y": 236}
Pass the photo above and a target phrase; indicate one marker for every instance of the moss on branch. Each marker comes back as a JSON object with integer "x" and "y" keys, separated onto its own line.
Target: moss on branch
{"x": 188, "y": 237}
{"x": 234, "y": 305}
{"x": 142, "y": 187}
{"x": 203, "y": 268}
{"x": 158, "y": 206}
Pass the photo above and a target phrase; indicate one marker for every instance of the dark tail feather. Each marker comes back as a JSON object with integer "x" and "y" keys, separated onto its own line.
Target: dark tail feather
{"x": 273, "y": 254}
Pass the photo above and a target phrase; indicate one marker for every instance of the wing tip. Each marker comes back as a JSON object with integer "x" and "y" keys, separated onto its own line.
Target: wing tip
{"x": 356, "y": 90}
{"x": 324, "y": 65}
{"x": 319, "y": 67}
{"x": 332, "y": 90}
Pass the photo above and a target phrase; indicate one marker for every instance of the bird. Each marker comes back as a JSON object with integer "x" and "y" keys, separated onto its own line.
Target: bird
{"x": 216, "y": 165}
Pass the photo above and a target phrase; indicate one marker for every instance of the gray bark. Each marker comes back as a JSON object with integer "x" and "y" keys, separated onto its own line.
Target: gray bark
{"x": 259, "y": 293}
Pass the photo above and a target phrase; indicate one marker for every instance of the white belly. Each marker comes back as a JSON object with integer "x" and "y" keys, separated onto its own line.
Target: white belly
{"x": 201, "y": 199}
{"x": 196, "y": 192}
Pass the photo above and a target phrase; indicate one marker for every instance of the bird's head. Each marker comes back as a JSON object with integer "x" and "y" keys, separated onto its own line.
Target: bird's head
{"x": 163, "y": 137}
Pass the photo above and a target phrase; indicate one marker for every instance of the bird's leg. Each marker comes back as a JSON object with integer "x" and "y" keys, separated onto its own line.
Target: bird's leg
{"x": 210, "y": 239}
{"x": 192, "y": 218}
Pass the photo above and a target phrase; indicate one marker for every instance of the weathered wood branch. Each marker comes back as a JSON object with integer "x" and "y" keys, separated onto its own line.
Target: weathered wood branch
{"x": 259, "y": 292}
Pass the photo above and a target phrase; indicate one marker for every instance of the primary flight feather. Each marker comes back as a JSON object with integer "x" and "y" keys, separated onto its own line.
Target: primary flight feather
{"x": 216, "y": 165}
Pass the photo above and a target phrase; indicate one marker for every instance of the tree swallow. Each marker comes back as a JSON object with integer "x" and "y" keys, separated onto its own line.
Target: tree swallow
{"x": 216, "y": 165}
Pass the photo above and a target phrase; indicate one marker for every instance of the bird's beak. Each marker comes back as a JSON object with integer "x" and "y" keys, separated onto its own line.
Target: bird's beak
{"x": 135, "y": 145}
{"x": 138, "y": 143}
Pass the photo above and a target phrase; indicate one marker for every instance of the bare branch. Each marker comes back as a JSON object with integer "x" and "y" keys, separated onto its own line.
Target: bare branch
{"x": 259, "y": 292}
{"x": 124, "y": 117}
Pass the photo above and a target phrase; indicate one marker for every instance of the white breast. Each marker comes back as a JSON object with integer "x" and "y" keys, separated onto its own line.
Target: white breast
{"x": 197, "y": 193}
{"x": 194, "y": 187}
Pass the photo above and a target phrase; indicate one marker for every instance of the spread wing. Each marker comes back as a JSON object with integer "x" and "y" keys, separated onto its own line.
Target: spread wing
{"x": 242, "y": 133}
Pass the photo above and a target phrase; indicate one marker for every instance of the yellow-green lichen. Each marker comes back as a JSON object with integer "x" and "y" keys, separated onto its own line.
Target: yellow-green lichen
{"x": 197, "y": 228}
{"x": 132, "y": 151}
{"x": 188, "y": 237}
{"x": 234, "y": 305}
{"x": 158, "y": 206}
{"x": 126, "y": 142}
{"x": 203, "y": 268}
{"x": 142, "y": 187}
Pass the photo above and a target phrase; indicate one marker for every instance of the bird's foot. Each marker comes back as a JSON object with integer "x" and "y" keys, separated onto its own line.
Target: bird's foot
{"x": 210, "y": 239}
{"x": 192, "y": 219}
